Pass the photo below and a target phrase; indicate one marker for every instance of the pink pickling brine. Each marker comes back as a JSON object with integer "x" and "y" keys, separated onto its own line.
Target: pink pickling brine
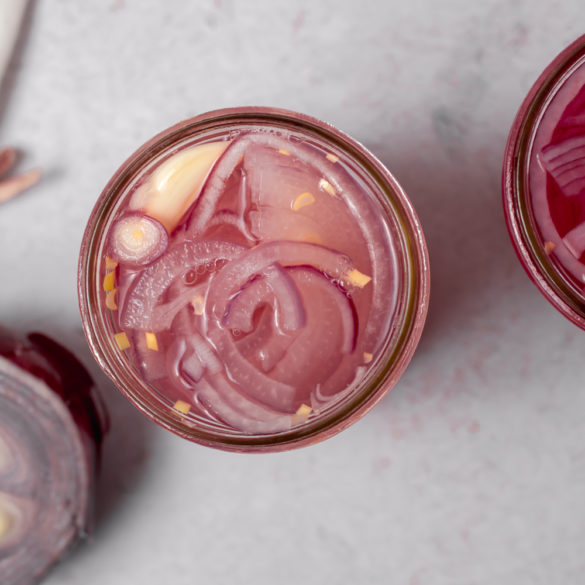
{"x": 249, "y": 283}
{"x": 544, "y": 183}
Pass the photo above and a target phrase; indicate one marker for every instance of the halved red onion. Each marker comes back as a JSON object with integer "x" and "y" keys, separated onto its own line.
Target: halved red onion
{"x": 238, "y": 410}
{"x": 149, "y": 286}
{"x": 137, "y": 240}
{"x": 575, "y": 240}
{"x": 50, "y": 433}
{"x": 566, "y": 163}
{"x": 252, "y": 381}
{"x": 234, "y": 275}
{"x": 272, "y": 282}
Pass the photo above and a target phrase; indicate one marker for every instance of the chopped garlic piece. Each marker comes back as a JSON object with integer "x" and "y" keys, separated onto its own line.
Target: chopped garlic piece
{"x": 304, "y": 410}
{"x": 6, "y": 521}
{"x": 122, "y": 340}
{"x": 368, "y": 357}
{"x": 303, "y": 200}
{"x": 110, "y": 264}
{"x": 111, "y": 299}
{"x": 110, "y": 281}
{"x": 327, "y": 187}
{"x": 151, "y": 341}
{"x": 283, "y": 151}
{"x": 182, "y": 406}
{"x": 199, "y": 305}
{"x": 357, "y": 278}
{"x": 333, "y": 158}
{"x": 549, "y": 247}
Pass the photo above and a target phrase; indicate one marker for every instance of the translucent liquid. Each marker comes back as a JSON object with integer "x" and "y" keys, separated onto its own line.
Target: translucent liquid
{"x": 250, "y": 280}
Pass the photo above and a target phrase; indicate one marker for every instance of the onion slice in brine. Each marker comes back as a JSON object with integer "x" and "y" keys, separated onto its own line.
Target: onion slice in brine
{"x": 239, "y": 410}
{"x": 234, "y": 275}
{"x": 152, "y": 283}
{"x": 566, "y": 163}
{"x": 272, "y": 282}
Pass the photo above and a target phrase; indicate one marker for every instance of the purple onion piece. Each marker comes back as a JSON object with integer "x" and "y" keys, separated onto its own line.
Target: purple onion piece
{"x": 147, "y": 288}
{"x": 238, "y": 410}
{"x": 344, "y": 303}
{"x": 234, "y": 275}
{"x": 50, "y": 432}
{"x": 382, "y": 256}
{"x": 566, "y": 163}
{"x": 137, "y": 240}
{"x": 575, "y": 240}
{"x": 274, "y": 283}
{"x": 253, "y": 382}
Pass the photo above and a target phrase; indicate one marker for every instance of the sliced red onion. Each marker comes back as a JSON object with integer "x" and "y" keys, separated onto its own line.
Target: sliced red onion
{"x": 272, "y": 282}
{"x": 50, "y": 433}
{"x": 164, "y": 314}
{"x": 229, "y": 218}
{"x": 316, "y": 353}
{"x": 382, "y": 254}
{"x": 270, "y": 223}
{"x": 239, "y": 410}
{"x": 264, "y": 346}
{"x": 252, "y": 381}
{"x": 148, "y": 287}
{"x": 205, "y": 353}
{"x": 575, "y": 240}
{"x": 234, "y": 275}
{"x": 137, "y": 240}
{"x": 566, "y": 163}
{"x": 343, "y": 302}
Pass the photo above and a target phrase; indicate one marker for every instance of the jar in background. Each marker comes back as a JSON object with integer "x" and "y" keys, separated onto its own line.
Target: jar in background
{"x": 544, "y": 183}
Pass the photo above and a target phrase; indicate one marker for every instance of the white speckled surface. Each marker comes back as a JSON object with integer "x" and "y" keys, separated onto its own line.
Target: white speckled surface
{"x": 472, "y": 471}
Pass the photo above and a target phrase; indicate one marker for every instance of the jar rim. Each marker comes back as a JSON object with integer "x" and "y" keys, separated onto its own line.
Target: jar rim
{"x": 417, "y": 298}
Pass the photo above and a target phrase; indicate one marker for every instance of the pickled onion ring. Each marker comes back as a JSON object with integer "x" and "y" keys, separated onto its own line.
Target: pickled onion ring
{"x": 147, "y": 288}
{"x": 253, "y": 382}
{"x": 239, "y": 410}
{"x": 272, "y": 282}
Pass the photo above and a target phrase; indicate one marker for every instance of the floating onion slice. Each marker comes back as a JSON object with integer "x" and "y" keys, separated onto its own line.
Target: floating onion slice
{"x": 50, "y": 430}
{"x": 272, "y": 282}
{"x": 238, "y": 410}
{"x": 234, "y": 275}
{"x": 343, "y": 303}
{"x": 138, "y": 240}
{"x": 324, "y": 344}
{"x": 254, "y": 383}
{"x": 382, "y": 254}
{"x": 164, "y": 314}
{"x": 264, "y": 346}
{"x": 146, "y": 290}
{"x": 566, "y": 163}
{"x": 575, "y": 240}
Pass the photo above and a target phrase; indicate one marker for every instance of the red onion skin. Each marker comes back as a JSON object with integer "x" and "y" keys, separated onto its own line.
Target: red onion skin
{"x": 51, "y": 363}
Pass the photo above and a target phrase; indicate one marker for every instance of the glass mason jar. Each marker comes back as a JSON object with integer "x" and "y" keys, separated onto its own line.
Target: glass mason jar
{"x": 543, "y": 183}
{"x": 252, "y": 279}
